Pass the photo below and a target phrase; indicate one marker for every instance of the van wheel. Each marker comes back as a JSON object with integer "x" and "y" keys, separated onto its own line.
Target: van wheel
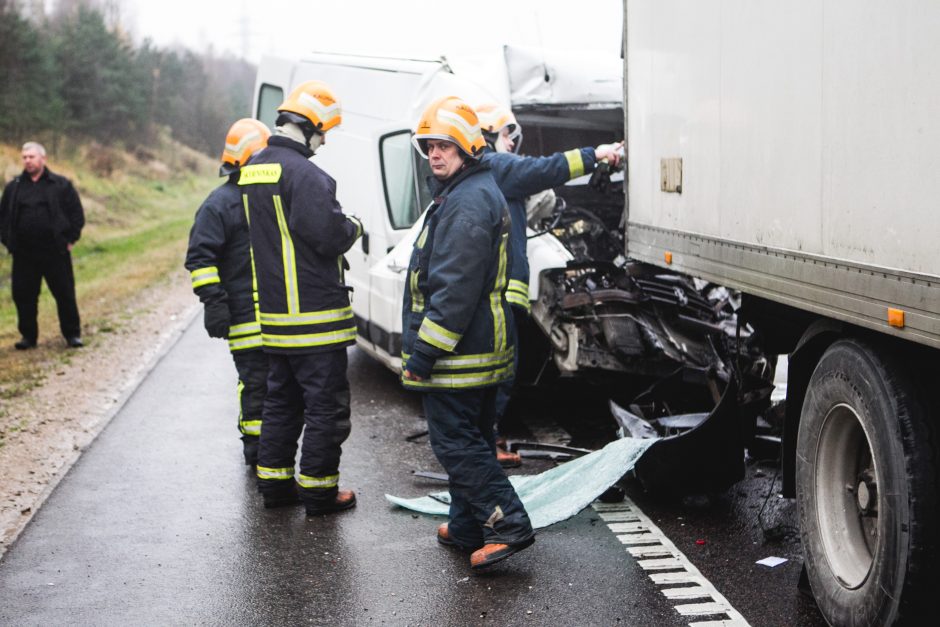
{"x": 866, "y": 479}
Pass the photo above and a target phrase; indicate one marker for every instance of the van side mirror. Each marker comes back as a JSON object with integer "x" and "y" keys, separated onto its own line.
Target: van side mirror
{"x": 365, "y": 242}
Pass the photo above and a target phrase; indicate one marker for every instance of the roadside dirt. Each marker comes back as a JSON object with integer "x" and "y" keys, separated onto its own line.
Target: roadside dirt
{"x": 63, "y": 414}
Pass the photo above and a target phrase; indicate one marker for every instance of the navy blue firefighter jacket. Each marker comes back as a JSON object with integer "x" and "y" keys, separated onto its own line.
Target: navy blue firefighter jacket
{"x": 519, "y": 177}
{"x": 219, "y": 263}
{"x": 298, "y": 236}
{"x": 457, "y": 331}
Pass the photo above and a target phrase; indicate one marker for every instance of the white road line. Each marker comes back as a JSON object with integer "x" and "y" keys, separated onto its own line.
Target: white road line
{"x": 668, "y": 567}
{"x": 687, "y": 592}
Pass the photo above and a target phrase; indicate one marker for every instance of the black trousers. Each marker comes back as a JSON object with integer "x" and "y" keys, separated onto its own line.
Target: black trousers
{"x": 29, "y": 269}
{"x": 306, "y": 393}
{"x": 484, "y": 507}
{"x": 252, "y": 367}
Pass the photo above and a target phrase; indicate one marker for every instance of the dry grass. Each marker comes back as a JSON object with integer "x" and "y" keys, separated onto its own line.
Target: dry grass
{"x": 139, "y": 208}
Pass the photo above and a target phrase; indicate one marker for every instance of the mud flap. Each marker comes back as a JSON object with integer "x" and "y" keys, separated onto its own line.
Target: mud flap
{"x": 708, "y": 458}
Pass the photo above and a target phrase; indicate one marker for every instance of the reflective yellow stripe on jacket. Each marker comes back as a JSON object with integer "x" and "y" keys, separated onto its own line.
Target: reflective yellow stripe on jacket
{"x": 289, "y": 259}
{"x": 518, "y": 294}
{"x": 496, "y": 297}
{"x": 436, "y": 335}
{"x": 310, "y": 317}
{"x": 309, "y": 340}
{"x": 244, "y": 336}
{"x": 575, "y": 163}
{"x": 466, "y": 371}
{"x": 205, "y": 276}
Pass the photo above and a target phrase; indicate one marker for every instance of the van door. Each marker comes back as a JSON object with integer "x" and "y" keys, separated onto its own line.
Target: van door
{"x": 406, "y": 195}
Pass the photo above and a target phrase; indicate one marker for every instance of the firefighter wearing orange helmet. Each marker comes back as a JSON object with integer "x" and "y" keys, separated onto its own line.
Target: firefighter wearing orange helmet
{"x": 219, "y": 262}
{"x": 457, "y": 333}
{"x": 299, "y": 234}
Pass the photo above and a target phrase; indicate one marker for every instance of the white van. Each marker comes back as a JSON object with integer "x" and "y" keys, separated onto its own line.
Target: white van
{"x": 562, "y": 100}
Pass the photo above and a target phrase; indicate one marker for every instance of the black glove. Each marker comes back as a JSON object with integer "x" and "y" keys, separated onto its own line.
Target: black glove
{"x": 217, "y": 320}
{"x": 420, "y": 365}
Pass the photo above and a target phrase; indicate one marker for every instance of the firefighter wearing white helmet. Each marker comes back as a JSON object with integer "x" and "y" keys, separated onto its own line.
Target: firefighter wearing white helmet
{"x": 519, "y": 177}
{"x": 298, "y": 236}
{"x": 500, "y": 128}
{"x": 219, "y": 262}
{"x": 457, "y": 332}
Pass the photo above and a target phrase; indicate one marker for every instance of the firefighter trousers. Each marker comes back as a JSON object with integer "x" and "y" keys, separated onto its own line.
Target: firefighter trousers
{"x": 504, "y": 389}
{"x": 252, "y": 367}
{"x": 484, "y": 507}
{"x": 309, "y": 394}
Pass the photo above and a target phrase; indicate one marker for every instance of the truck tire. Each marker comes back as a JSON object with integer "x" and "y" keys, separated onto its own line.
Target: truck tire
{"x": 866, "y": 479}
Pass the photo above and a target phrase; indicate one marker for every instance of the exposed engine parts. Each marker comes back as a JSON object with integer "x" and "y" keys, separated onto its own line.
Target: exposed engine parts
{"x": 682, "y": 369}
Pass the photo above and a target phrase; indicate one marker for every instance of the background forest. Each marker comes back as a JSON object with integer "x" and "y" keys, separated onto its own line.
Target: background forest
{"x": 74, "y": 75}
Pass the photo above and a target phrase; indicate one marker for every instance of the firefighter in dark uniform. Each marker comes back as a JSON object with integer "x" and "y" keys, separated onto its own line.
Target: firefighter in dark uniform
{"x": 219, "y": 263}
{"x": 519, "y": 177}
{"x": 298, "y": 236}
{"x": 457, "y": 333}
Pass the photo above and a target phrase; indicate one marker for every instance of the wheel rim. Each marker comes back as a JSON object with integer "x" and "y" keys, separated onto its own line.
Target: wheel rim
{"x": 846, "y": 490}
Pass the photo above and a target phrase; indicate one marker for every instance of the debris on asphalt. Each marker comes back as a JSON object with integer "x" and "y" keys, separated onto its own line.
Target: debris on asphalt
{"x": 558, "y": 493}
{"x": 417, "y": 435}
{"x": 427, "y": 474}
{"x": 772, "y": 561}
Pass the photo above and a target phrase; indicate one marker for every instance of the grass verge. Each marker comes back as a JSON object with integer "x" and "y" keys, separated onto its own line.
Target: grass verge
{"x": 138, "y": 214}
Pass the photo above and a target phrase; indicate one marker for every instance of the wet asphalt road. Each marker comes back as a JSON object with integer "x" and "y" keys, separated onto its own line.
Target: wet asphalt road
{"x": 159, "y": 523}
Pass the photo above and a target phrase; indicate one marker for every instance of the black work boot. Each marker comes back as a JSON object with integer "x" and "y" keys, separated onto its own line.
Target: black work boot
{"x": 344, "y": 500}
{"x": 283, "y": 497}
{"x": 250, "y": 450}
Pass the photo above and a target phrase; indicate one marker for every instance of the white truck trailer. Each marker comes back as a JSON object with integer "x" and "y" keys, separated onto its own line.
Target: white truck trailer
{"x": 790, "y": 150}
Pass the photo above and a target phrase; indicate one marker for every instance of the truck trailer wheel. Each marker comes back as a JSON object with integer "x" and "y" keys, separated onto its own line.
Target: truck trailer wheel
{"x": 866, "y": 479}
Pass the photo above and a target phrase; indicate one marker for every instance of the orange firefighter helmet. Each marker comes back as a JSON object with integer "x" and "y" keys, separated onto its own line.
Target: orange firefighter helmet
{"x": 315, "y": 101}
{"x": 451, "y": 119}
{"x": 246, "y": 137}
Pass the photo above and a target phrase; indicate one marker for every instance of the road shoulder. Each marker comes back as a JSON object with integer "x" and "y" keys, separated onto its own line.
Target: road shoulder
{"x": 60, "y": 417}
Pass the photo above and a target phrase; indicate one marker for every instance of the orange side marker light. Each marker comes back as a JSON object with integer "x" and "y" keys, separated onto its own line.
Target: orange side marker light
{"x": 668, "y": 257}
{"x": 896, "y": 317}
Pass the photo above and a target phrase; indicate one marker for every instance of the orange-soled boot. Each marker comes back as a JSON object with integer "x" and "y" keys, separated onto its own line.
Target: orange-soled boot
{"x": 443, "y": 537}
{"x": 493, "y": 553}
{"x": 507, "y": 459}
{"x": 344, "y": 500}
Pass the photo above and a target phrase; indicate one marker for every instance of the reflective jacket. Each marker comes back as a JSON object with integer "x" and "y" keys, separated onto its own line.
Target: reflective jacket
{"x": 298, "y": 237}
{"x": 519, "y": 177}
{"x": 456, "y": 325}
{"x": 219, "y": 263}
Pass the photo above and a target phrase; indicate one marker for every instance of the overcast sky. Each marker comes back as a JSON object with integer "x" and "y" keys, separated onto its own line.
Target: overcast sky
{"x": 395, "y": 27}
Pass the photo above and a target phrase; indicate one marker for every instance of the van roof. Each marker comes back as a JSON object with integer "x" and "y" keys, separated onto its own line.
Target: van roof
{"x": 391, "y": 64}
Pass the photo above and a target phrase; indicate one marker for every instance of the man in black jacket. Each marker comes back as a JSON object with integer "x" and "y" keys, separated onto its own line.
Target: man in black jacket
{"x": 219, "y": 263}
{"x": 41, "y": 218}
